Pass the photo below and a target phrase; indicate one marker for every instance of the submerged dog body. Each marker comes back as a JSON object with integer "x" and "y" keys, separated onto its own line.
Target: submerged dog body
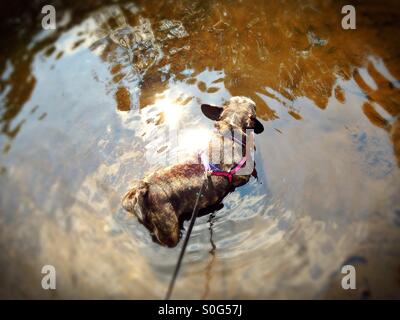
{"x": 161, "y": 198}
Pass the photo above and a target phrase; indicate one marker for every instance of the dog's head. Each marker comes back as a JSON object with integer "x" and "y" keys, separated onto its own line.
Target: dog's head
{"x": 237, "y": 113}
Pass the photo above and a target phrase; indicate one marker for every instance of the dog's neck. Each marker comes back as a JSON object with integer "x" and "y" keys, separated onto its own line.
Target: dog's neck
{"x": 229, "y": 131}
{"x": 233, "y": 141}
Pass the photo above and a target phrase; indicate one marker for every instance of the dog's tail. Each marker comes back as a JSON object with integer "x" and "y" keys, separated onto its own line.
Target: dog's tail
{"x": 133, "y": 200}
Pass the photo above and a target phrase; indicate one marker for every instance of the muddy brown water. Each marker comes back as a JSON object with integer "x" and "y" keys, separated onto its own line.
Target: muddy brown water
{"x": 84, "y": 111}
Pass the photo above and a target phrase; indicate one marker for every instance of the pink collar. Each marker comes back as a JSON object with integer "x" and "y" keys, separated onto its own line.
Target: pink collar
{"x": 209, "y": 167}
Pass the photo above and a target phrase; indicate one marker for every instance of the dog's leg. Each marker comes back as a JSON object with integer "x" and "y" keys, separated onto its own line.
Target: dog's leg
{"x": 165, "y": 225}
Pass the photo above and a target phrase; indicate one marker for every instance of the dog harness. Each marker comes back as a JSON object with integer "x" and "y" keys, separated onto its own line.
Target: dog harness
{"x": 215, "y": 171}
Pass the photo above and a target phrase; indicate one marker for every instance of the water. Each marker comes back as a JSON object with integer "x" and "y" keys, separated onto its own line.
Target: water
{"x": 84, "y": 112}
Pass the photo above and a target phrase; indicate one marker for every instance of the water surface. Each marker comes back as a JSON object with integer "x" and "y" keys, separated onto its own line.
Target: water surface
{"x": 85, "y": 111}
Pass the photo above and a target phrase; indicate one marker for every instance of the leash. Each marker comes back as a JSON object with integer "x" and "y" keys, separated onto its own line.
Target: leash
{"x": 192, "y": 220}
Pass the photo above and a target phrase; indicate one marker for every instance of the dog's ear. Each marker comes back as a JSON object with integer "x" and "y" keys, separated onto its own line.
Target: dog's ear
{"x": 211, "y": 112}
{"x": 258, "y": 127}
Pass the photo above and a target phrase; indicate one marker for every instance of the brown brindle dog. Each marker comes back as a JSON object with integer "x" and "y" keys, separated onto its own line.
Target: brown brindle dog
{"x": 161, "y": 198}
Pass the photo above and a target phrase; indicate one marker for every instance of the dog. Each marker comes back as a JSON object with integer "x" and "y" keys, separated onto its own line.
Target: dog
{"x": 162, "y": 198}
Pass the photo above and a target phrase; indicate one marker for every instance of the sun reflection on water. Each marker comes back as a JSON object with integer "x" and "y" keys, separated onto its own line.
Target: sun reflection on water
{"x": 172, "y": 112}
{"x": 195, "y": 140}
